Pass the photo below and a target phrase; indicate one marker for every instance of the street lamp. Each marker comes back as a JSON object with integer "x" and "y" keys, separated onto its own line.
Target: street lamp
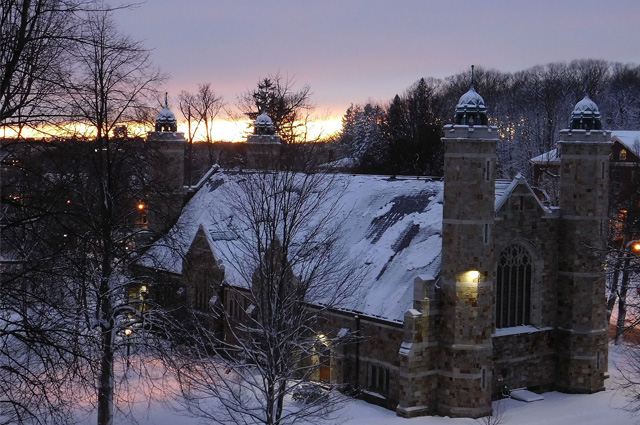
{"x": 127, "y": 334}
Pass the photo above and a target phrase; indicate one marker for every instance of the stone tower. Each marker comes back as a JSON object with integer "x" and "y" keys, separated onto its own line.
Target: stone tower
{"x": 263, "y": 146}
{"x": 167, "y": 147}
{"x": 467, "y": 261}
{"x": 584, "y": 196}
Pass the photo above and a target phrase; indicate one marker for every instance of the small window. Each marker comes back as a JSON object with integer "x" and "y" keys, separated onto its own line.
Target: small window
{"x": 623, "y": 155}
{"x": 521, "y": 206}
{"x": 486, "y": 234}
{"x": 488, "y": 171}
{"x": 378, "y": 379}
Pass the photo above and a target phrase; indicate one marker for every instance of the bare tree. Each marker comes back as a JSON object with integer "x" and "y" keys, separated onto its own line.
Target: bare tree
{"x": 112, "y": 78}
{"x": 36, "y": 37}
{"x": 37, "y": 352}
{"x": 200, "y": 109}
{"x": 284, "y": 273}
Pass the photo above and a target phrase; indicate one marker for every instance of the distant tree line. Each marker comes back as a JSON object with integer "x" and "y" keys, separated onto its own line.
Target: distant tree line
{"x": 529, "y": 108}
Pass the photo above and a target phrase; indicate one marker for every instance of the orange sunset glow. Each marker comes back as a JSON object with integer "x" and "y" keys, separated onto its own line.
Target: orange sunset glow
{"x": 221, "y": 130}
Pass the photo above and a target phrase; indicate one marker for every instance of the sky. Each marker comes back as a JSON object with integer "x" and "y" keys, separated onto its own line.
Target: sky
{"x": 352, "y": 51}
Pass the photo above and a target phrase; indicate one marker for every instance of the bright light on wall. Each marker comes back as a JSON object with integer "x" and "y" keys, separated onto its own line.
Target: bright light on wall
{"x": 471, "y": 276}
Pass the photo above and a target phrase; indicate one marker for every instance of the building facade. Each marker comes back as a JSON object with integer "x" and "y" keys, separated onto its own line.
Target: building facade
{"x": 470, "y": 286}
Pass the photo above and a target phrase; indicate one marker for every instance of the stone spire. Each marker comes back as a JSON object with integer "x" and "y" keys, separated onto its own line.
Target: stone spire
{"x": 166, "y": 120}
{"x": 471, "y": 109}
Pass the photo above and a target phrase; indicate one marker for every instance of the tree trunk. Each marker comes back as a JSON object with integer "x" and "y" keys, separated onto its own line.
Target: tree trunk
{"x": 613, "y": 292}
{"x": 622, "y": 302}
{"x": 105, "y": 388}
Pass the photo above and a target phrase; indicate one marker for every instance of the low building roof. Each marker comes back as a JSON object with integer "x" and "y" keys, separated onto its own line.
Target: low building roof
{"x": 391, "y": 230}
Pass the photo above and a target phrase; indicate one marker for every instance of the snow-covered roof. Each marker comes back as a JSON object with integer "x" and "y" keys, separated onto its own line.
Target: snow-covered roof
{"x": 504, "y": 189}
{"x": 390, "y": 228}
{"x": 630, "y": 139}
{"x": 546, "y": 158}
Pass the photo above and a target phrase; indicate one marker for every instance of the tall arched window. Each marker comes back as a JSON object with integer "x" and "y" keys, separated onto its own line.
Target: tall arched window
{"x": 513, "y": 289}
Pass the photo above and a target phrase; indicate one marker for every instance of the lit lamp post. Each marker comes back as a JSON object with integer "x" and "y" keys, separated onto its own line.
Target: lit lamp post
{"x": 127, "y": 334}
{"x": 634, "y": 248}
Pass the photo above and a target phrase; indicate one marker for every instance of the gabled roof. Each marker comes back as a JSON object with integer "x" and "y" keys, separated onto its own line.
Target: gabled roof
{"x": 391, "y": 229}
{"x": 629, "y": 139}
{"x": 504, "y": 189}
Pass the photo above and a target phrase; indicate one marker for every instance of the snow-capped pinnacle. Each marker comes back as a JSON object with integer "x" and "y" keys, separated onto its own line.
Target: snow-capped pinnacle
{"x": 166, "y": 115}
{"x": 585, "y": 115}
{"x": 264, "y": 124}
{"x": 471, "y": 109}
{"x": 166, "y": 120}
{"x": 471, "y": 100}
{"x": 586, "y": 106}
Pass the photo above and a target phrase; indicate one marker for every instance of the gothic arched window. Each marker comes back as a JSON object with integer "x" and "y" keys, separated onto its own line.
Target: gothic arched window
{"x": 513, "y": 289}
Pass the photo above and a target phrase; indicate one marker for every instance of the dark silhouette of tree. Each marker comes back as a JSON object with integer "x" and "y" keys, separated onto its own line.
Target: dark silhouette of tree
{"x": 288, "y": 257}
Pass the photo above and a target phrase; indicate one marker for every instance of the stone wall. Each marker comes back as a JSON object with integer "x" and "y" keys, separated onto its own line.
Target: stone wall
{"x": 584, "y": 197}
{"x": 467, "y": 276}
{"x": 524, "y": 360}
{"x": 369, "y": 342}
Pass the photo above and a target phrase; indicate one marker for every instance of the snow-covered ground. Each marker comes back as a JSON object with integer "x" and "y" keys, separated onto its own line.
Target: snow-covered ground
{"x": 606, "y": 407}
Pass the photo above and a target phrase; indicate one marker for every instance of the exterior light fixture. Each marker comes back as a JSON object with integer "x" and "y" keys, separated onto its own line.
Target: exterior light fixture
{"x": 128, "y": 332}
{"x": 470, "y": 276}
{"x": 474, "y": 276}
{"x": 141, "y": 206}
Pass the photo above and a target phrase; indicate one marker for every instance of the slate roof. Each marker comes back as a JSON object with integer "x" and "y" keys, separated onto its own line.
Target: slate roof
{"x": 391, "y": 230}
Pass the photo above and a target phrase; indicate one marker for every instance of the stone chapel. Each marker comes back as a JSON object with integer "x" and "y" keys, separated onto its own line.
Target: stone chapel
{"x": 471, "y": 287}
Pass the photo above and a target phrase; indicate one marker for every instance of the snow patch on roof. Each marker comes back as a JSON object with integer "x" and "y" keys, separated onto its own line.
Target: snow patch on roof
{"x": 546, "y": 158}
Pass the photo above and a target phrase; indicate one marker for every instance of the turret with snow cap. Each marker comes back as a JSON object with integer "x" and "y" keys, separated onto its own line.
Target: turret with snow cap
{"x": 585, "y": 116}
{"x": 166, "y": 120}
{"x": 584, "y": 150}
{"x": 468, "y": 263}
{"x": 471, "y": 109}
{"x": 263, "y": 146}
{"x": 169, "y": 172}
